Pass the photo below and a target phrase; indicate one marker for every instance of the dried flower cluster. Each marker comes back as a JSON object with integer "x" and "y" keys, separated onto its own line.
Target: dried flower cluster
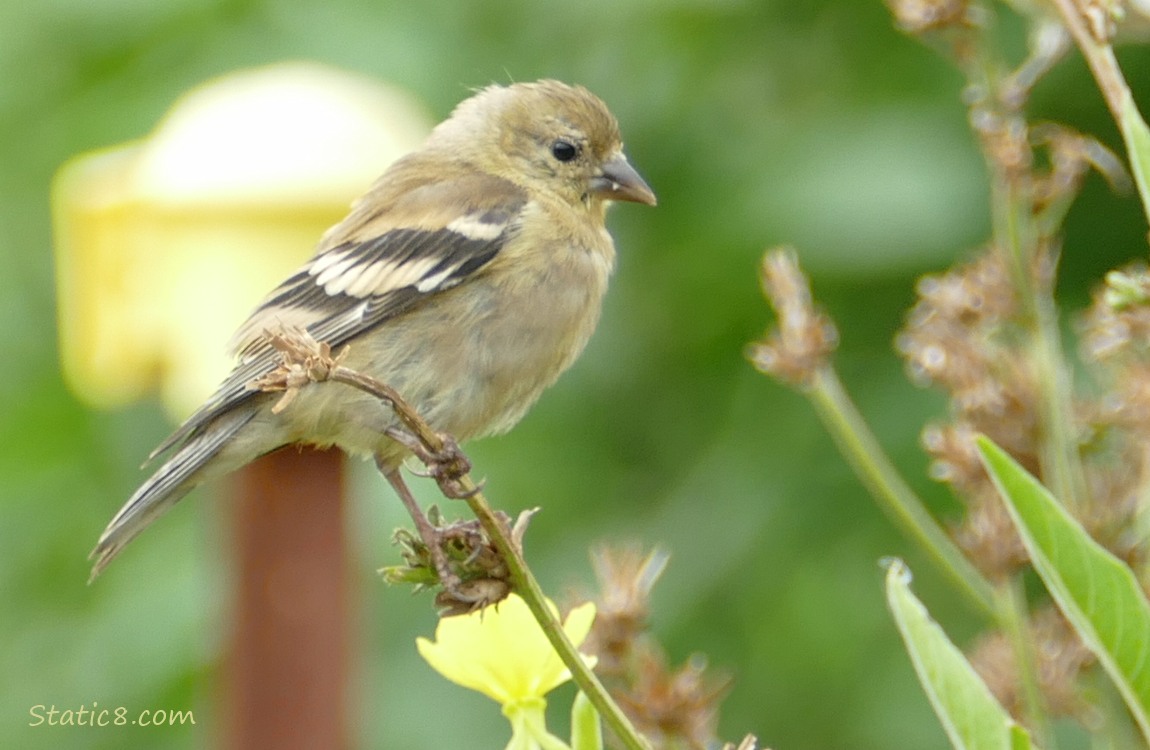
{"x": 484, "y": 577}
{"x": 971, "y": 333}
{"x": 674, "y": 708}
{"x": 1060, "y": 658}
{"x": 1071, "y": 156}
{"x": 960, "y": 337}
{"x": 1116, "y": 342}
{"x": 964, "y": 335}
{"x": 805, "y": 336}
{"x": 985, "y": 333}
{"x": 919, "y": 16}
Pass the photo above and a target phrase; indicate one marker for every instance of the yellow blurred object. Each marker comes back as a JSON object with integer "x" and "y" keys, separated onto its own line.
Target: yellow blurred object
{"x": 165, "y": 245}
{"x": 502, "y": 652}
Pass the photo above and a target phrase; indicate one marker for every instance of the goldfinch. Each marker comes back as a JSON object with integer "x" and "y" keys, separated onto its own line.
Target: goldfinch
{"x": 468, "y": 278}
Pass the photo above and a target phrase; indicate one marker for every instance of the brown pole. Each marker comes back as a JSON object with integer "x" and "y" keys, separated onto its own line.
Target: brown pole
{"x": 286, "y": 681}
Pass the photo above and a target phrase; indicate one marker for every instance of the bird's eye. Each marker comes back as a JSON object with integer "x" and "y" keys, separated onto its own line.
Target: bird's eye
{"x": 564, "y": 150}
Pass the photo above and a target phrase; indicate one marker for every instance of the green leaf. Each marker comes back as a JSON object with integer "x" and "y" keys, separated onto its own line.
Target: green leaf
{"x": 1137, "y": 138}
{"x": 586, "y": 732}
{"x": 969, "y": 713}
{"x": 1096, "y": 591}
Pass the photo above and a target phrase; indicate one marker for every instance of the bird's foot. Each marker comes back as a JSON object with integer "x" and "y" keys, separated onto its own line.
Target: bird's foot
{"x": 447, "y": 466}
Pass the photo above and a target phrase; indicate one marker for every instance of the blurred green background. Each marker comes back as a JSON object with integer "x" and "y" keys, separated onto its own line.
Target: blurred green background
{"x": 810, "y": 122}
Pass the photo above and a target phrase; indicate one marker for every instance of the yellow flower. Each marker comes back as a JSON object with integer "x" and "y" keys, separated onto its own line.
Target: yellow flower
{"x": 502, "y": 652}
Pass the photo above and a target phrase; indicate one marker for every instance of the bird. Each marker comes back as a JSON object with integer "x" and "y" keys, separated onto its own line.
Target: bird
{"x": 468, "y": 277}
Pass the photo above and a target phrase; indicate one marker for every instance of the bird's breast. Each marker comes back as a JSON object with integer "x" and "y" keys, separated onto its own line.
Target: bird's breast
{"x": 533, "y": 330}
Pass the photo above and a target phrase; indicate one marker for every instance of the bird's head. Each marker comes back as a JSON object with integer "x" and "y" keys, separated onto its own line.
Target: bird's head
{"x": 546, "y": 135}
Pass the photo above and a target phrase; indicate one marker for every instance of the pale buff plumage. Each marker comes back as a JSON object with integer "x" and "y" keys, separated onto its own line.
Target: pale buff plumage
{"x": 469, "y": 277}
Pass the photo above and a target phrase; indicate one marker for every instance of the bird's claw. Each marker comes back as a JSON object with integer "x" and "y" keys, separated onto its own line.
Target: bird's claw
{"x": 447, "y": 465}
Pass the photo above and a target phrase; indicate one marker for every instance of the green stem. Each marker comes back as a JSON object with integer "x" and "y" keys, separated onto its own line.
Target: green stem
{"x": 1019, "y": 238}
{"x": 1015, "y": 616}
{"x": 1063, "y": 461}
{"x": 865, "y": 455}
{"x": 527, "y": 587}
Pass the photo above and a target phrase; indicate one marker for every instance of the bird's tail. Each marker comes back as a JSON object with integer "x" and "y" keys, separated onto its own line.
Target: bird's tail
{"x": 178, "y": 476}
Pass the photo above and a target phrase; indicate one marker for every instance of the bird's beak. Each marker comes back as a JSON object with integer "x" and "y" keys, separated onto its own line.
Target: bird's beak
{"x": 620, "y": 182}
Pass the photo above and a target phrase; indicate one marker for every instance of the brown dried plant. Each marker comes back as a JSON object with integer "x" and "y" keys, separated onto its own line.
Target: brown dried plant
{"x": 987, "y": 333}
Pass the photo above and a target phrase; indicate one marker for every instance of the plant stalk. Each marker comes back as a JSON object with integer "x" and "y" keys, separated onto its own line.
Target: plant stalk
{"x": 865, "y": 455}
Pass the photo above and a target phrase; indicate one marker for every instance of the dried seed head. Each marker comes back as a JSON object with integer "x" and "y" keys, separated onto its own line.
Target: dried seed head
{"x": 626, "y": 576}
{"x": 920, "y": 16}
{"x": 956, "y": 338}
{"x": 954, "y": 456}
{"x": 1059, "y": 659}
{"x": 988, "y": 537}
{"x": 1117, "y": 326}
{"x": 675, "y": 708}
{"x": 805, "y": 337}
{"x": 1005, "y": 141}
{"x": 1071, "y": 156}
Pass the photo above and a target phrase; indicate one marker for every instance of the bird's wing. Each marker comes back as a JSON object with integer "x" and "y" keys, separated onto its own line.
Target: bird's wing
{"x": 401, "y": 244}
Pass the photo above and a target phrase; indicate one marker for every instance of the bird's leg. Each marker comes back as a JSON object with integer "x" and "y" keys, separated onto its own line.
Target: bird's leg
{"x": 447, "y": 466}
{"x": 430, "y": 535}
